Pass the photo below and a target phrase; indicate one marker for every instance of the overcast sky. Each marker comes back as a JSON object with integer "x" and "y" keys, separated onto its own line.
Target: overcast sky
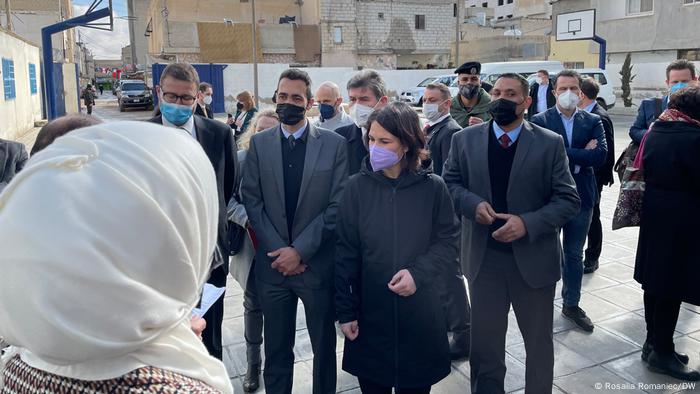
{"x": 104, "y": 44}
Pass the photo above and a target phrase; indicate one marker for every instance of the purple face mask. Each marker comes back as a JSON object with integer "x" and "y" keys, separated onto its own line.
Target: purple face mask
{"x": 382, "y": 158}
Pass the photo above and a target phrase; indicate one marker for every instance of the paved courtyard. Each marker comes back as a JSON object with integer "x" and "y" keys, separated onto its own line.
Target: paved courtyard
{"x": 605, "y": 361}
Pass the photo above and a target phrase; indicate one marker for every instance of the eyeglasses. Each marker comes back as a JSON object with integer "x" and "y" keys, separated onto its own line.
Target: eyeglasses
{"x": 172, "y": 98}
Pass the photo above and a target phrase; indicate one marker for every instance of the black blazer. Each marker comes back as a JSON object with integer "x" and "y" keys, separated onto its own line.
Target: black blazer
{"x": 198, "y": 111}
{"x": 217, "y": 141}
{"x": 356, "y": 147}
{"x": 439, "y": 140}
{"x": 534, "y": 90}
{"x": 13, "y": 156}
{"x": 586, "y": 127}
{"x": 649, "y": 110}
{"x": 604, "y": 173}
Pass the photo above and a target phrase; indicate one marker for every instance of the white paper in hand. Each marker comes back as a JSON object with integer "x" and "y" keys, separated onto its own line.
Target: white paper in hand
{"x": 210, "y": 294}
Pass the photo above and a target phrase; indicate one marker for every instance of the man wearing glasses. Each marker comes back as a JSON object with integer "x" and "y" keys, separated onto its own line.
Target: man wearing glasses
{"x": 177, "y": 97}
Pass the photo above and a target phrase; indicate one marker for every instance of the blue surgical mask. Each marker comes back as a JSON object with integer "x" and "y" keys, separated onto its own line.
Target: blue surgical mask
{"x": 327, "y": 111}
{"x": 175, "y": 113}
{"x": 678, "y": 86}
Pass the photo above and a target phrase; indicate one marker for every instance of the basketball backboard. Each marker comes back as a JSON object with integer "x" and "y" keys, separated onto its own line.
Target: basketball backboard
{"x": 579, "y": 25}
{"x": 101, "y": 24}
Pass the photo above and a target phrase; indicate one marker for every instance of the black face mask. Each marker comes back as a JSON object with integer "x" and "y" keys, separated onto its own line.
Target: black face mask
{"x": 239, "y": 105}
{"x": 503, "y": 111}
{"x": 290, "y": 114}
{"x": 468, "y": 91}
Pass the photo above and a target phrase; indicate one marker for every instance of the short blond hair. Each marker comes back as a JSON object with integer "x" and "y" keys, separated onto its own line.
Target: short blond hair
{"x": 244, "y": 141}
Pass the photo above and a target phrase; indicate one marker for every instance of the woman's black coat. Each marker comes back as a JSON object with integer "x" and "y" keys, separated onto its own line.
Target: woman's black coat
{"x": 384, "y": 226}
{"x": 668, "y": 258}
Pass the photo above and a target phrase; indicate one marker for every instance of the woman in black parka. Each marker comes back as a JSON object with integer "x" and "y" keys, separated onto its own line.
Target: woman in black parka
{"x": 668, "y": 259}
{"x": 397, "y": 232}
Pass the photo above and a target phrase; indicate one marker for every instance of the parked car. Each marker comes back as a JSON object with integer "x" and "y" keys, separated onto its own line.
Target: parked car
{"x": 491, "y": 71}
{"x": 414, "y": 96}
{"x": 606, "y": 95}
{"x": 134, "y": 93}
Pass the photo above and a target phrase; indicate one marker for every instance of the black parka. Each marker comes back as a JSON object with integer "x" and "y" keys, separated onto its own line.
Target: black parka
{"x": 384, "y": 226}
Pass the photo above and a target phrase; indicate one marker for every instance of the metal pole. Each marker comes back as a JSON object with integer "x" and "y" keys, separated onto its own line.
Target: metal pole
{"x": 255, "y": 57}
{"x": 602, "y": 53}
{"x": 132, "y": 33}
{"x": 8, "y": 14}
{"x": 457, "y": 35}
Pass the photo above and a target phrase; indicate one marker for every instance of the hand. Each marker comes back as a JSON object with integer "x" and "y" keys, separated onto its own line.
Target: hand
{"x": 300, "y": 270}
{"x": 229, "y": 121}
{"x": 402, "y": 283}
{"x": 198, "y": 324}
{"x": 513, "y": 230}
{"x": 286, "y": 261}
{"x": 592, "y": 144}
{"x": 485, "y": 214}
{"x": 350, "y": 329}
{"x": 239, "y": 123}
{"x": 474, "y": 120}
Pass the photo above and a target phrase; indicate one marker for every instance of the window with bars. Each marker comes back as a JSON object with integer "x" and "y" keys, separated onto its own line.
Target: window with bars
{"x": 32, "y": 78}
{"x": 420, "y": 22}
{"x": 639, "y": 6}
{"x": 8, "y": 78}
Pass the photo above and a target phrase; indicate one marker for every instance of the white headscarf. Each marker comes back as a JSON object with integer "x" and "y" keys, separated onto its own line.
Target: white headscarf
{"x": 106, "y": 239}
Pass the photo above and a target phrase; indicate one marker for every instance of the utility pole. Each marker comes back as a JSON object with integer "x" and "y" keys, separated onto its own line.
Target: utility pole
{"x": 132, "y": 32}
{"x": 457, "y": 35}
{"x": 255, "y": 56}
{"x": 8, "y": 14}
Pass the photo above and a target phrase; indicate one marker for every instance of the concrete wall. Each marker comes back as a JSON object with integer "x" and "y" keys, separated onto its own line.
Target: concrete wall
{"x": 19, "y": 114}
{"x": 70, "y": 88}
{"x": 239, "y": 77}
{"x": 573, "y": 51}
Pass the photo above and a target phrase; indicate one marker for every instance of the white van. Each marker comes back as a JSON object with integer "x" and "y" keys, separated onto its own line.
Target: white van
{"x": 606, "y": 95}
{"x": 414, "y": 96}
{"x": 491, "y": 71}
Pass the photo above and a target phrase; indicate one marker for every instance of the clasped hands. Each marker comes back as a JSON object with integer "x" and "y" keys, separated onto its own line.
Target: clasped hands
{"x": 287, "y": 261}
{"x": 513, "y": 230}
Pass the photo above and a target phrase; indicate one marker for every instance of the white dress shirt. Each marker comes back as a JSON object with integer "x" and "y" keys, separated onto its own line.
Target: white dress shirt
{"x": 569, "y": 128}
{"x": 188, "y": 126}
{"x": 542, "y": 98}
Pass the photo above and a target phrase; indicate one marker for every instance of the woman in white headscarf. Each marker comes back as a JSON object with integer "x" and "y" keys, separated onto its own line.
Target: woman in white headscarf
{"x": 106, "y": 239}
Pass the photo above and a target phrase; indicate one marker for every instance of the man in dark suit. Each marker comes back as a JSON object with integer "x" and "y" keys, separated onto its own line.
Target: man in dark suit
{"x": 603, "y": 174}
{"x": 367, "y": 93}
{"x": 439, "y": 129}
{"x": 294, "y": 177}
{"x": 586, "y": 148}
{"x": 177, "y": 95}
{"x": 511, "y": 184}
{"x": 541, "y": 94}
{"x": 13, "y": 156}
{"x": 204, "y": 99}
{"x": 678, "y": 75}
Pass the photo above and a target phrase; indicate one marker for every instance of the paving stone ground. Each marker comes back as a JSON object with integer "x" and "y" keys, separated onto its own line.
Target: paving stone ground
{"x": 605, "y": 361}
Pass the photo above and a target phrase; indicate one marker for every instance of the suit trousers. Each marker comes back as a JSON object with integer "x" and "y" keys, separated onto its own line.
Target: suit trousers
{"x": 211, "y": 336}
{"x": 661, "y": 315}
{"x": 279, "y": 305}
{"x": 369, "y": 387}
{"x": 595, "y": 232}
{"x": 252, "y": 320}
{"x": 575, "y": 233}
{"x": 498, "y": 285}
{"x": 453, "y": 294}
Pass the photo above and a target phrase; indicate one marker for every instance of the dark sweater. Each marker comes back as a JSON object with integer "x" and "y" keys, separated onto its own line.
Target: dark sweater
{"x": 500, "y": 164}
{"x": 293, "y": 166}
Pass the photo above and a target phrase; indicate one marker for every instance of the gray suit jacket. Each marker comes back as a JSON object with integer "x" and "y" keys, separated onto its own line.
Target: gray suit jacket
{"x": 540, "y": 190}
{"x": 13, "y": 156}
{"x": 313, "y": 231}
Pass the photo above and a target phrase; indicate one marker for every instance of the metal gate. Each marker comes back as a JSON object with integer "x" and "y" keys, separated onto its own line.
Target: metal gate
{"x": 211, "y": 73}
{"x": 59, "y": 95}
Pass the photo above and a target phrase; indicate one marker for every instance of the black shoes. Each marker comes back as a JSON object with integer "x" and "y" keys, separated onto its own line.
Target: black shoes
{"x": 252, "y": 378}
{"x": 647, "y": 348}
{"x": 459, "y": 345}
{"x": 578, "y": 316}
{"x": 590, "y": 267}
{"x": 669, "y": 364}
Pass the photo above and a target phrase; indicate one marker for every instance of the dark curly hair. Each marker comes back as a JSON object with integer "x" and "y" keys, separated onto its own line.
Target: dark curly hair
{"x": 401, "y": 121}
{"x": 686, "y": 100}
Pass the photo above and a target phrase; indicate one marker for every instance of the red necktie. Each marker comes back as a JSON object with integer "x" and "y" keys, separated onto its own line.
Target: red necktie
{"x": 505, "y": 141}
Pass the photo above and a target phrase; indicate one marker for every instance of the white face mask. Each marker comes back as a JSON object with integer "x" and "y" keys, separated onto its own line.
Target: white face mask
{"x": 360, "y": 113}
{"x": 432, "y": 112}
{"x": 207, "y": 100}
{"x": 568, "y": 100}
